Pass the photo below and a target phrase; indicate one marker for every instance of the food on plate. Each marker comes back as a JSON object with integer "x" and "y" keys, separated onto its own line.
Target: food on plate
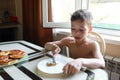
{"x": 10, "y": 56}
{"x": 51, "y": 64}
{"x": 16, "y": 54}
{"x": 3, "y": 53}
{"x": 4, "y": 59}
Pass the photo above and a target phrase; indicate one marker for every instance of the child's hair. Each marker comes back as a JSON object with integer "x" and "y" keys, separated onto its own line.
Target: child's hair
{"x": 83, "y": 15}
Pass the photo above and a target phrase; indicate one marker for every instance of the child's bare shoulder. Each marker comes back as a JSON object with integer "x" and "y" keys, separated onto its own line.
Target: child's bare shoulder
{"x": 93, "y": 44}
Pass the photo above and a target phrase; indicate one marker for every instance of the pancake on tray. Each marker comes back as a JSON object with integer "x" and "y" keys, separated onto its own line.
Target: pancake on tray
{"x": 10, "y": 56}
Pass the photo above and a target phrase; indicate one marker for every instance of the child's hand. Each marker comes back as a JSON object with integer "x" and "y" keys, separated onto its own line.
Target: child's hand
{"x": 55, "y": 49}
{"x": 72, "y": 67}
{"x": 52, "y": 47}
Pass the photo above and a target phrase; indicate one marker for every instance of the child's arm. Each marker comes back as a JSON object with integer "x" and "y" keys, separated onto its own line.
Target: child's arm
{"x": 75, "y": 65}
{"x": 96, "y": 62}
{"x": 55, "y": 45}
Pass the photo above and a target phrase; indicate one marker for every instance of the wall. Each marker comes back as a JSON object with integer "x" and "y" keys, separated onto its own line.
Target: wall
{"x": 14, "y": 7}
{"x": 7, "y": 5}
{"x": 113, "y": 49}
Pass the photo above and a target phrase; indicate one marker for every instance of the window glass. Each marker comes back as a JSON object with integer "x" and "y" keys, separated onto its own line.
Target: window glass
{"x": 62, "y": 10}
{"x": 105, "y": 13}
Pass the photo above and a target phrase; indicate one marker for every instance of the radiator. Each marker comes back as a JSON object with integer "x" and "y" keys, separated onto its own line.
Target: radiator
{"x": 112, "y": 67}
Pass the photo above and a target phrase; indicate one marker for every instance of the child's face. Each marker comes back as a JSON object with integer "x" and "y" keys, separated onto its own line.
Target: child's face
{"x": 79, "y": 30}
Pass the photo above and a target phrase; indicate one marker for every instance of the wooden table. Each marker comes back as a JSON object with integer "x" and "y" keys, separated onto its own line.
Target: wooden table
{"x": 27, "y": 70}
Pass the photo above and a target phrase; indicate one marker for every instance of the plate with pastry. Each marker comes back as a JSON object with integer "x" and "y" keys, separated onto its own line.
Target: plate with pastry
{"x": 10, "y": 57}
{"x": 48, "y": 68}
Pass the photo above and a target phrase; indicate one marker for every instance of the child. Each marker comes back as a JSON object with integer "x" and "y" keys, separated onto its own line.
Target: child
{"x": 85, "y": 52}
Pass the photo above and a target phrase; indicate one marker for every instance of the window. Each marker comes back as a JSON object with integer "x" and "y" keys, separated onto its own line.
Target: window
{"x": 105, "y": 13}
{"x": 106, "y": 16}
{"x": 61, "y": 12}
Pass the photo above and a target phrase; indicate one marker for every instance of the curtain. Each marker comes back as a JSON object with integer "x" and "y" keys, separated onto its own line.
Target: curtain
{"x": 33, "y": 30}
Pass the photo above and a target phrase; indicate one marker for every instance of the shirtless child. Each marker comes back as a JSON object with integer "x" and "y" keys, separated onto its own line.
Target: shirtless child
{"x": 85, "y": 52}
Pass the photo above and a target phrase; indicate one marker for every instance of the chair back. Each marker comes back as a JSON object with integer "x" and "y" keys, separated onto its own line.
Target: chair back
{"x": 97, "y": 37}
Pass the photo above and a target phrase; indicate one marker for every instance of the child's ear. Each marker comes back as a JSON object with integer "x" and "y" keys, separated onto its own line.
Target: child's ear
{"x": 90, "y": 28}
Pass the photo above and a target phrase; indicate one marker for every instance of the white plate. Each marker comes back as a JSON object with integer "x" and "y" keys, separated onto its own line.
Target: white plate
{"x": 57, "y": 69}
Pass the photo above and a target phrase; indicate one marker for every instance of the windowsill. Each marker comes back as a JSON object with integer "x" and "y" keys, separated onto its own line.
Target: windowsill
{"x": 108, "y": 38}
{"x": 111, "y": 39}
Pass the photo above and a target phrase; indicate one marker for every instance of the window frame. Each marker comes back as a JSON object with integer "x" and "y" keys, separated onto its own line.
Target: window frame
{"x": 47, "y": 24}
{"x": 63, "y": 25}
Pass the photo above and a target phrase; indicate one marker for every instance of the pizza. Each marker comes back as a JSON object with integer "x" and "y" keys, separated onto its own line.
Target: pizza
{"x": 10, "y": 56}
